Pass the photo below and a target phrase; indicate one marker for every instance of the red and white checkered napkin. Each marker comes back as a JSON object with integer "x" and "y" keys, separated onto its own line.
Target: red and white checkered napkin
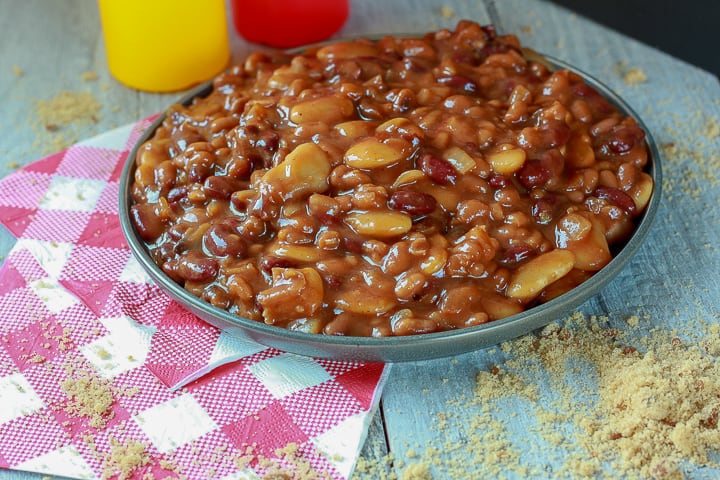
{"x": 74, "y": 305}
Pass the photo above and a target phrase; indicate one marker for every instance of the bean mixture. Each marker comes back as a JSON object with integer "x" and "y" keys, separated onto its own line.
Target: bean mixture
{"x": 397, "y": 187}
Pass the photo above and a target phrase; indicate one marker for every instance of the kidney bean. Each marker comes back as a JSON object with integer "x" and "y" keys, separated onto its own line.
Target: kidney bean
{"x": 177, "y": 194}
{"x": 489, "y": 31}
{"x": 416, "y": 64}
{"x": 593, "y": 97}
{"x": 268, "y": 141}
{"x": 459, "y": 82}
{"x": 165, "y": 175}
{"x": 148, "y": 221}
{"x": 239, "y": 167}
{"x": 533, "y": 174}
{"x": 618, "y": 198}
{"x": 184, "y": 137}
{"x": 220, "y": 187}
{"x": 437, "y": 169}
{"x": 624, "y": 139}
{"x": 494, "y": 48}
{"x": 498, "y": 181}
{"x": 556, "y": 134}
{"x": 414, "y": 203}
{"x": 221, "y": 240}
{"x": 369, "y": 110}
{"x": 467, "y": 58}
{"x": 515, "y": 254}
{"x": 268, "y": 263}
{"x": 195, "y": 267}
{"x": 353, "y": 243}
{"x": 200, "y": 166}
{"x": 543, "y": 210}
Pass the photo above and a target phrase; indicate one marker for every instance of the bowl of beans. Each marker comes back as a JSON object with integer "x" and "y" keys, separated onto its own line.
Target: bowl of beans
{"x": 394, "y": 199}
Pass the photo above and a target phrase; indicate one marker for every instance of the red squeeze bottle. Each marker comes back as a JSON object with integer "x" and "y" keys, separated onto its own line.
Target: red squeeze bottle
{"x": 288, "y": 23}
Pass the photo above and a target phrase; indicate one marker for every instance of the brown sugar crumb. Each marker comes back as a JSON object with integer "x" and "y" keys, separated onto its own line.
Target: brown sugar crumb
{"x": 416, "y": 471}
{"x": 36, "y": 358}
{"x": 288, "y": 463}
{"x": 447, "y": 11}
{"x": 124, "y": 459}
{"x": 375, "y": 470}
{"x": 711, "y": 344}
{"x": 712, "y": 129}
{"x": 68, "y": 107}
{"x": 170, "y": 466}
{"x": 299, "y": 467}
{"x": 57, "y": 121}
{"x": 89, "y": 76}
{"x": 90, "y": 397}
{"x": 600, "y": 401}
{"x": 655, "y": 409}
{"x": 634, "y": 76}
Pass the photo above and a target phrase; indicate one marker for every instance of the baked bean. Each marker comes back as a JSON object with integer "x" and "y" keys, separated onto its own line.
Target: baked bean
{"x": 149, "y": 219}
{"x": 328, "y": 110}
{"x": 221, "y": 240}
{"x": 437, "y": 169}
{"x": 305, "y": 170}
{"x": 295, "y": 293}
{"x": 460, "y": 160}
{"x": 371, "y": 153}
{"x": 388, "y": 188}
{"x": 193, "y": 266}
{"x": 413, "y": 203}
{"x": 618, "y": 198}
{"x": 379, "y": 224}
{"x": 532, "y": 277}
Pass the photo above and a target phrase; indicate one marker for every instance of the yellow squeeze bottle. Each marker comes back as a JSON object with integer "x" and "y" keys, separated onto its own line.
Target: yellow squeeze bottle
{"x": 164, "y": 45}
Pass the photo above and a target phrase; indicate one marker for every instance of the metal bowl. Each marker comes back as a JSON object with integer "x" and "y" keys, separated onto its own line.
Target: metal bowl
{"x": 402, "y": 348}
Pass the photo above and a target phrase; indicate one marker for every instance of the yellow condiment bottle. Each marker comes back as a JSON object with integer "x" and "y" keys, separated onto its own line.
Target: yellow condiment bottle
{"x": 164, "y": 45}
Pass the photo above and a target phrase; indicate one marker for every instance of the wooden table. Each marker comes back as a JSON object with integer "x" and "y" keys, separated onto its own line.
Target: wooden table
{"x": 674, "y": 277}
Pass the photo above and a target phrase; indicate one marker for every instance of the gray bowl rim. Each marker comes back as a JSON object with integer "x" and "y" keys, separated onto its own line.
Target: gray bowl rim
{"x": 400, "y": 348}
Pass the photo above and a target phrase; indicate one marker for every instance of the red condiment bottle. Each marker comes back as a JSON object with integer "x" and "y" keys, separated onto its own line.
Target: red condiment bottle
{"x": 288, "y": 23}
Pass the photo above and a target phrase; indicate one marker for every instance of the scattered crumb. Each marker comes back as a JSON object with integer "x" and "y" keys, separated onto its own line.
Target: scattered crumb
{"x": 124, "y": 459}
{"x": 602, "y": 402}
{"x": 416, "y": 471}
{"x": 634, "y": 76}
{"x": 375, "y": 470}
{"x": 89, "y": 76}
{"x": 18, "y": 71}
{"x": 712, "y": 129}
{"x": 447, "y": 11}
{"x": 67, "y": 107}
{"x": 103, "y": 354}
{"x": 169, "y": 466}
{"x": 90, "y": 397}
{"x": 36, "y": 358}
{"x": 59, "y": 121}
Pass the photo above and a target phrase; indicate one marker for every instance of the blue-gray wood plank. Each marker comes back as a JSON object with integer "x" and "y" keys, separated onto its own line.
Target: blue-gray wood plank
{"x": 673, "y": 277}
